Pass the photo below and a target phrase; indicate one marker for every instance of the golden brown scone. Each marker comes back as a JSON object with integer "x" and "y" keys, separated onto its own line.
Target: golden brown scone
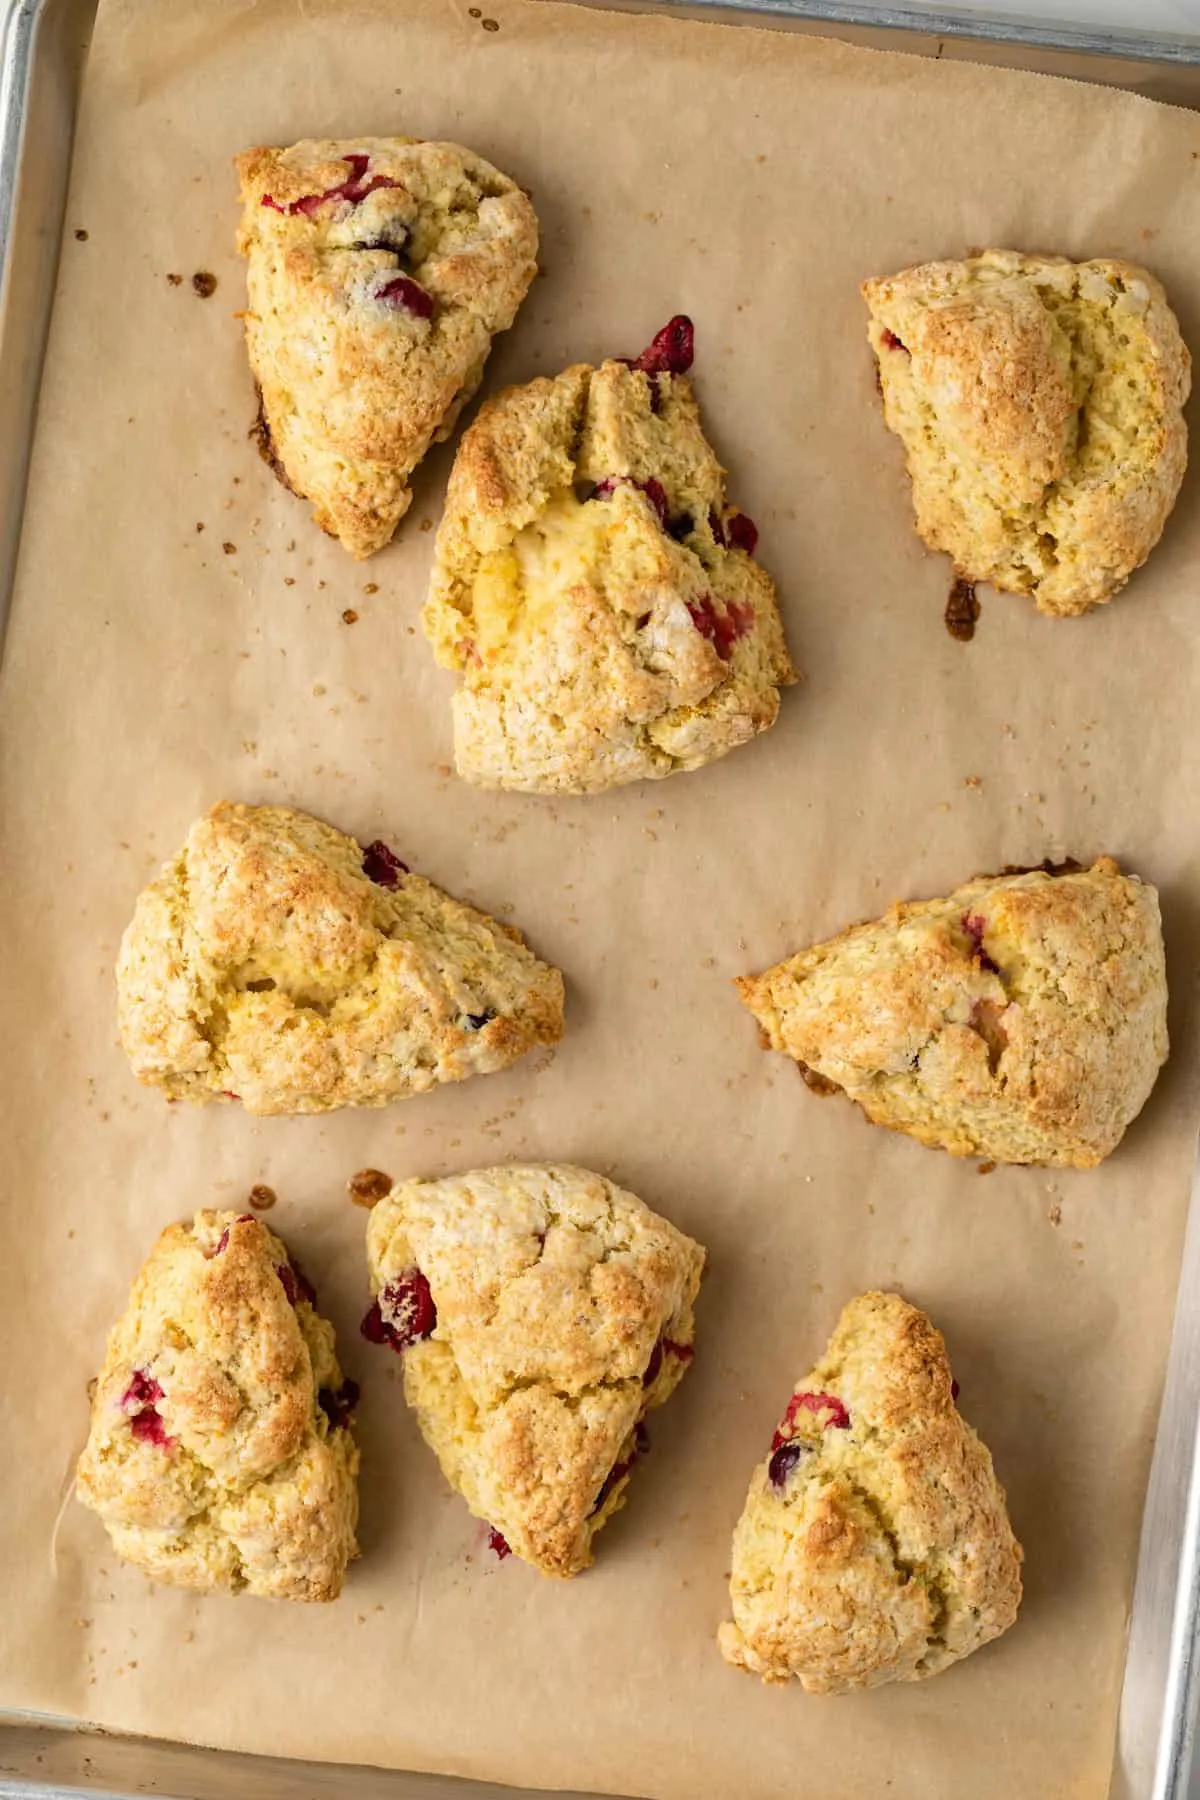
{"x": 874, "y": 1545}
{"x": 1040, "y": 404}
{"x": 379, "y": 271}
{"x": 598, "y": 597}
{"x": 277, "y": 963}
{"x": 1023, "y": 1018}
{"x": 543, "y": 1312}
{"x": 220, "y": 1455}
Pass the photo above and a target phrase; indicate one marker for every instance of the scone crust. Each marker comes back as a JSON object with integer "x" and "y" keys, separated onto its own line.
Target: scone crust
{"x": 264, "y": 966}
{"x": 246, "y": 1484}
{"x": 355, "y": 386}
{"x": 557, "y": 1295}
{"x": 605, "y": 625}
{"x": 1023, "y": 1018}
{"x": 1040, "y": 403}
{"x": 885, "y": 1553}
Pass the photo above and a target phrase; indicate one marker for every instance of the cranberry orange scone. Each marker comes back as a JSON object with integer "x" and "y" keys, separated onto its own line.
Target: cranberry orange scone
{"x": 599, "y": 599}
{"x": 1040, "y": 404}
{"x": 1023, "y": 1018}
{"x": 276, "y": 963}
{"x": 220, "y": 1455}
{"x": 379, "y": 271}
{"x": 543, "y": 1312}
{"x": 874, "y": 1545}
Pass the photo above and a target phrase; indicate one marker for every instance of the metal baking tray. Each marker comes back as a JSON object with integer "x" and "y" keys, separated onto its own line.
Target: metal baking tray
{"x": 43, "y": 49}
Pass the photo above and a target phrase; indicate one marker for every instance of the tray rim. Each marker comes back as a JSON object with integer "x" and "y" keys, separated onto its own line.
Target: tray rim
{"x": 1154, "y": 1748}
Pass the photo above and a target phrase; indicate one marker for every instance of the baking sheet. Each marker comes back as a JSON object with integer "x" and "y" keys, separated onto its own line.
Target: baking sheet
{"x": 752, "y": 180}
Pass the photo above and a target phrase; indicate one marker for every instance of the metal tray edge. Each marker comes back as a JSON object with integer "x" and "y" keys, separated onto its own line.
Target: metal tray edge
{"x": 42, "y": 50}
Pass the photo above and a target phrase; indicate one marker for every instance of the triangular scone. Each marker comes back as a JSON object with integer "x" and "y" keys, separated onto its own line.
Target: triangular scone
{"x": 874, "y": 1544}
{"x": 220, "y": 1455}
{"x": 560, "y": 1309}
{"x": 379, "y": 271}
{"x": 598, "y": 597}
{"x": 277, "y": 963}
{"x": 1023, "y": 1018}
{"x": 1040, "y": 404}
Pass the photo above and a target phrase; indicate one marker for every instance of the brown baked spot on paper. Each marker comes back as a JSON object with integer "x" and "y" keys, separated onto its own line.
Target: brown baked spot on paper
{"x": 962, "y": 610}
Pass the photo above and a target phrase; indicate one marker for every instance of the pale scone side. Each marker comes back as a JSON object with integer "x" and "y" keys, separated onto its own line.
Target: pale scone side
{"x": 875, "y": 1544}
{"x": 220, "y": 1455}
{"x": 1022, "y": 1018}
{"x": 594, "y": 591}
{"x": 266, "y": 966}
{"x": 1040, "y": 404}
{"x": 560, "y": 1313}
{"x": 379, "y": 270}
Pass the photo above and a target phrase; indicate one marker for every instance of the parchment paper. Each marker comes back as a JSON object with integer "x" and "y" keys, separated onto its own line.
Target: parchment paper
{"x": 178, "y": 635}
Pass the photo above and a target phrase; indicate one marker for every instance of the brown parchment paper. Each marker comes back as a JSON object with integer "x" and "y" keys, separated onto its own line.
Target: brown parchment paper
{"x": 178, "y": 635}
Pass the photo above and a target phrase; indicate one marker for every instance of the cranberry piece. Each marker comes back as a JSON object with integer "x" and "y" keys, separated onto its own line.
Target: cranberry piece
{"x": 892, "y": 342}
{"x": 722, "y": 629}
{"x": 652, "y": 489}
{"x": 403, "y": 291}
{"x": 477, "y": 1021}
{"x": 142, "y": 1391}
{"x": 665, "y": 1346}
{"x": 814, "y": 1403}
{"x": 672, "y": 351}
{"x": 353, "y": 189}
{"x": 382, "y": 866}
{"x": 222, "y": 1242}
{"x": 954, "y": 1390}
{"x": 145, "y": 1421}
{"x": 295, "y": 1283}
{"x": 338, "y": 1404}
{"x": 975, "y": 926}
{"x": 403, "y": 1314}
{"x": 149, "y": 1428}
{"x": 641, "y": 1444}
{"x": 395, "y": 243}
{"x": 498, "y": 1544}
{"x": 742, "y": 533}
{"x": 782, "y": 1462}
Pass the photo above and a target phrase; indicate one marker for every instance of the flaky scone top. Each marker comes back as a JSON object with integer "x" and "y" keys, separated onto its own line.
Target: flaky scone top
{"x": 1040, "y": 404}
{"x": 220, "y": 1455}
{"x": 379, "y": 270}
{"x": 875, "y": 1544}
{"x": 543, "y": 1312}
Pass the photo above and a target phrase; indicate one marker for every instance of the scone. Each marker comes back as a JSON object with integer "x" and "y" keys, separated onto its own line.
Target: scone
{"x": 220, "y": 1455}
{"x": 1023, "y": 1018}
{"x": 379, "y": 271}
{"x": 1040, "y": 404}
{"x": 543, "y": 1312}
{"x": 874, "y": 1544}
{"x": 593, "y": 589}
{"x": 276, "y": 963}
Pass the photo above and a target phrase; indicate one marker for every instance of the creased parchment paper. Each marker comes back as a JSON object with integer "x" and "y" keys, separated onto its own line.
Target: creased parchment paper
{"x": 178, "y": 635}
